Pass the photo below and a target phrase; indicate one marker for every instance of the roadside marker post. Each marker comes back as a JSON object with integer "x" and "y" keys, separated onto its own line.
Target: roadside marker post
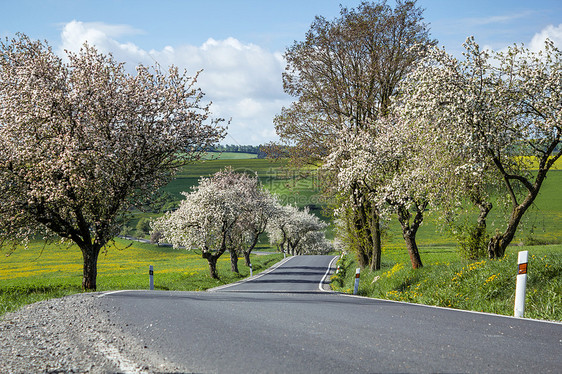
{"x": 151, "y": 277}
{"x": 521, "y": 285}
{"x": 356, "y": 288}
{"x": 251, "y": 271}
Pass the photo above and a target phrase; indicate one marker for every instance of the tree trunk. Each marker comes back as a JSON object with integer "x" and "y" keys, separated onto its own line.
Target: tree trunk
{"x": 362, "y": 236}
{"x": 409, "y": 231}
{"x": 479, "y": 234}
{"x": 250, "y": 249}
{"x": 234, "y": 261}
{"x": 499, "y": 242}
{"x": 247, "y": 258}
{"x": 212, "y": 261}
{"x": 495, "y": 247}
{"x": 377, "y": 249}
{"x": 213, "y": 267}
{"x": 481, "y": 221}
{"x": 90, "y": 255}
{"x": 410, "y": 238}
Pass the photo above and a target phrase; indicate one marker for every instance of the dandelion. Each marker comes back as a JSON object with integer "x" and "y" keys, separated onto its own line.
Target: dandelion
{"x": 491, "y": 278}
{"x": 397, "y": 267}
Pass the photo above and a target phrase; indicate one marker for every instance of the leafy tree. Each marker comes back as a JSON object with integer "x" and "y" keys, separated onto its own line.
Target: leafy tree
{"x": 212, "y": 217}
{"x": 343, "y": 76}
{"x": 82, "y": 142}
{"x": 256, "y": 211}
{"x": 388, "y": 166}
{"x": 143, "y": 227}
{"x": 262, "y": 206}
{"x": 507, "y": 108}
{"x": 297, "y": 231}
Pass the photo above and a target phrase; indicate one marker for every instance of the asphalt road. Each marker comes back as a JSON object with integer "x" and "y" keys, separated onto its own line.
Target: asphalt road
{"x": 281, "y": 322}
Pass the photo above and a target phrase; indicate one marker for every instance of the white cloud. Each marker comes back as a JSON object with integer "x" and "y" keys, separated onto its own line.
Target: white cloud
{"x": 501, "y": 19}
{"x": 551, "y": 32}
{"x": 242, "y": 80}
{"x": 76, "y": 33}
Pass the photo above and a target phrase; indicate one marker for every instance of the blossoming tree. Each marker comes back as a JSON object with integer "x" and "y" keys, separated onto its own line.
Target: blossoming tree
{"x": 297, "y": 232}
{"x": 221, "y": 214}
{"x": 389, "y": 166}
{"x": 83, "y": 141}
{"x": 507, "y": 106}
{"x": 343, "y": 75}
{"x": 262, "y": 206}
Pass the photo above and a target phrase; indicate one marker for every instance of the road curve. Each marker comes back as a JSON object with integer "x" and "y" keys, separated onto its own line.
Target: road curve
{"x": 293, "y": 274}
{"x": 281, "y": 322}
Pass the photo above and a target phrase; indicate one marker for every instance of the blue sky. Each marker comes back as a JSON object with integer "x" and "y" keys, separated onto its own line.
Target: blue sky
{"x": 239, "y": 43}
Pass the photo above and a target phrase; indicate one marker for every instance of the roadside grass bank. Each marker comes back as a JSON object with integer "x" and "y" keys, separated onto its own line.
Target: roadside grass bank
{"x": 48, "y": 271}
{"x": 446, "y": 280}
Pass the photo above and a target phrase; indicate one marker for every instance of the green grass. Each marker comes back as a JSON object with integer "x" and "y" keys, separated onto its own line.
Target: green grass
{"x": 448, "y": 281}
{"x": 291, "y": 187}
{"x": 42, "y": 272}
{"x": 189, "y": 176}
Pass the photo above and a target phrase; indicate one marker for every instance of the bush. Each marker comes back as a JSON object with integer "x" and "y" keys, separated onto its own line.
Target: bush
{"x": 472, "y": 241}
{"x": 143, "y": 227}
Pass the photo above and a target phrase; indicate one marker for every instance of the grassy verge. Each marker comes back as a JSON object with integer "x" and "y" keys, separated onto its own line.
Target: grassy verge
{"x": 43, "y": 272}
{"x": 448, "y": 281}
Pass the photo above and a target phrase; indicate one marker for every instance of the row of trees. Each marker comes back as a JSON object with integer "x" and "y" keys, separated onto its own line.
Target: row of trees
{"x": 401, "y": 126}
{"x": 237, "y": 148}
{"x": 343, "y": 76}
{"x": 230, "y": 211}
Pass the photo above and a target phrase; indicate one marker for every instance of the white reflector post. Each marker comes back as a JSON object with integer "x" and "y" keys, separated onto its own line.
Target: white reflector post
{"x": 520, "y": 288}
{"x": 151, "y": 277}
{"x": 356, "y": 288}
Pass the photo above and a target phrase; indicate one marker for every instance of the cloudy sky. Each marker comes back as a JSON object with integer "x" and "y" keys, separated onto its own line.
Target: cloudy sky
{"x": 239, "y": 44}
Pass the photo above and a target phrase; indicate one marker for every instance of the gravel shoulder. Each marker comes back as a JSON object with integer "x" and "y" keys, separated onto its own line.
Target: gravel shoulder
{"x": 71, "y": 335}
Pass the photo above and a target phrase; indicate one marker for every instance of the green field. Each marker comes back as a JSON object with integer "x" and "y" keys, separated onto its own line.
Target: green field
{"x": 273, "y": 175}
{"x": 229, "y": 156}
{"x": 542, "y": 224}
{"x": 291, "y": 187}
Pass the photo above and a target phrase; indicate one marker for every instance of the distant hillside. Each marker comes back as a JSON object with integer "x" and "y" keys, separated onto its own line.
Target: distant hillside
{"x": 229, "y": 156}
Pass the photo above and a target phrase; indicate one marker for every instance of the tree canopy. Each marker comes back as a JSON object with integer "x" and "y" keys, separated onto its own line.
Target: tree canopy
{"x": 346, "y": 70}
{"x": 503, "y": 109}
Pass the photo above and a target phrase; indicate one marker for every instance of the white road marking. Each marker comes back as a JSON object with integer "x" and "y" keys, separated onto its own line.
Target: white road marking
{"x": 326, "y": 275}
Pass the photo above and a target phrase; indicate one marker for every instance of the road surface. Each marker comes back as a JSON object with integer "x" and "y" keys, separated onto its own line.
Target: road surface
{"x": 281, "y": 322}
